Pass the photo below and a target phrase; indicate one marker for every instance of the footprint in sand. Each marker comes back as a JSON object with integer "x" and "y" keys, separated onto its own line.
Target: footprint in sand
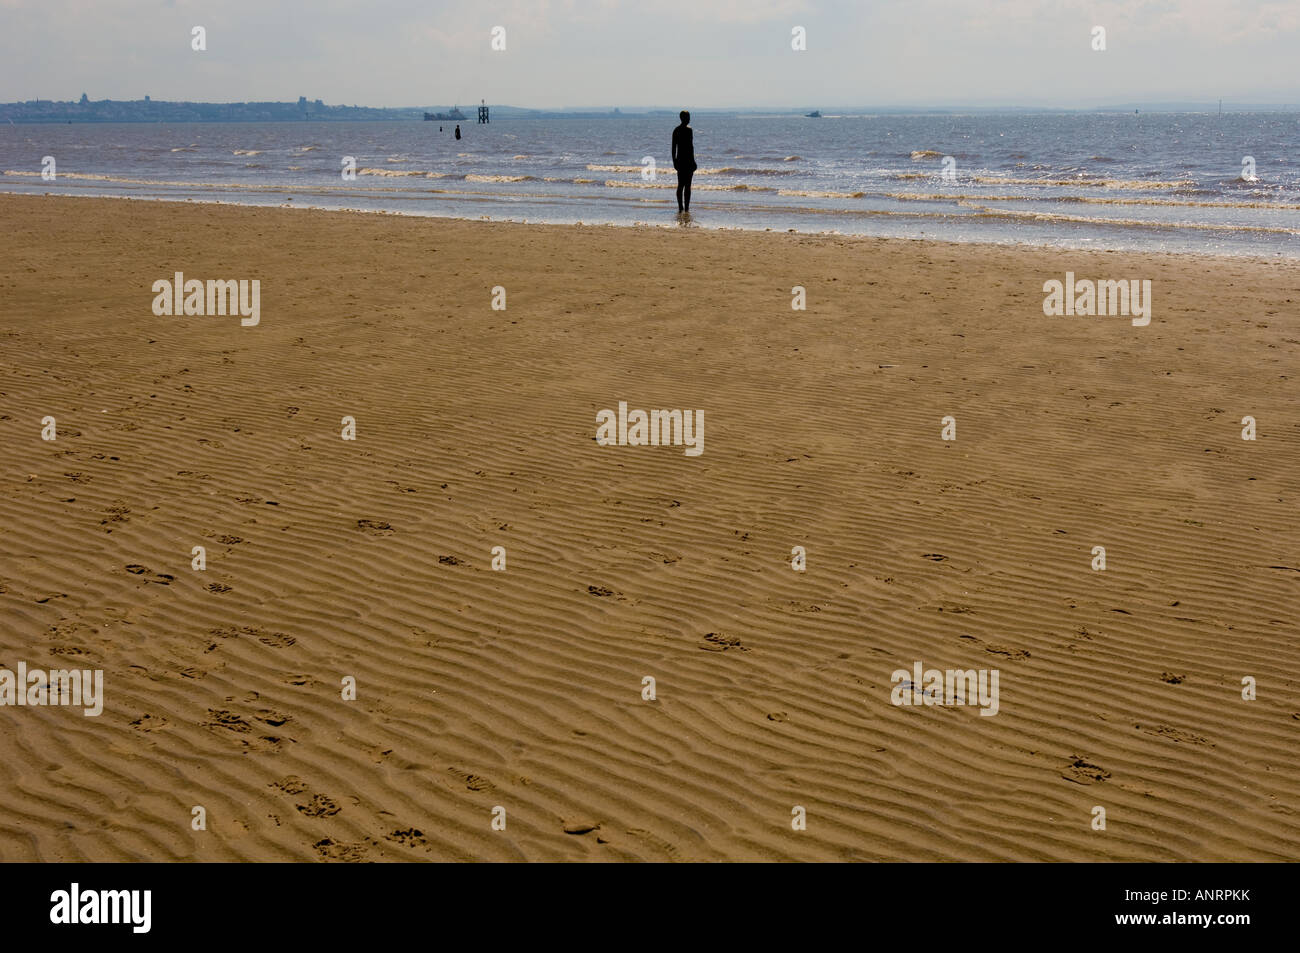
{"x": 291, "y": 784}
{"x": 792, "y": 606}
{"x": 221, "y": 718}
{"x": 116, "y": 514}
{"x": 1174, "y": 734}
{"x": 318, "y": 806}
{"x": 473, "y": 782}
{"x": 410, "y": 837}
{"x": 716, "y": 642}
{"x": 70, "y": 650}
{"x": 149, "y": 723}
{"x": 70, "y": 628}
{"x": 1082, "y": 772}
{"x": 1014, "y": 654}
{"x": 224, "y": 720}
{"x": 162, "y": 578}
{"x": 353, "y": 853}
{"x": 277, "y": 640}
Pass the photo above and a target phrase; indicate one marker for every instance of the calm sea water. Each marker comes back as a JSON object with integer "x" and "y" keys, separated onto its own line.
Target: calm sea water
{"x": 1176, "y": 182}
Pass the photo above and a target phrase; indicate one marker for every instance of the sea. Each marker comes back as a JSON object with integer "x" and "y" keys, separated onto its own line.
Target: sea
{"x": 1180, "y": 182}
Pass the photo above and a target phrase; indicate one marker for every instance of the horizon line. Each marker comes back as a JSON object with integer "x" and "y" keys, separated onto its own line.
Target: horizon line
{"x": 635, "y": 109}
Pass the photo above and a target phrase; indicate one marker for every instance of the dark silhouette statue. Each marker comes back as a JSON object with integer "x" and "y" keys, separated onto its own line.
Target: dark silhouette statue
{"x": 684, "y": 161}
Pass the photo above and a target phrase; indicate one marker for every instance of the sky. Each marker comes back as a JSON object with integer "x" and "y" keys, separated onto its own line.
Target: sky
{"x": 634, "y": 54}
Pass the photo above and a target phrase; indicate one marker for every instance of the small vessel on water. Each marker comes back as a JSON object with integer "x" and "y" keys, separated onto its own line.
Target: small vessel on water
{"x": 815, "y": 114}
{"x": 454, "y": 116}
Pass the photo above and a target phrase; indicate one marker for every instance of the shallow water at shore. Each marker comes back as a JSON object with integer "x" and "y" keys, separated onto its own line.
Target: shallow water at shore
{"x": 1161, "y": 182}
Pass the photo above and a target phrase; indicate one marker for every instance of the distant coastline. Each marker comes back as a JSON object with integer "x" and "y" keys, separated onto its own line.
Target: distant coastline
{"x": 87, "y": 110}
{"x": 151, "y": 110}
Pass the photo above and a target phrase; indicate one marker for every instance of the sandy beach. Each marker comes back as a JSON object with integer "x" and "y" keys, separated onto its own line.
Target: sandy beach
{"x": 329, "y": 559}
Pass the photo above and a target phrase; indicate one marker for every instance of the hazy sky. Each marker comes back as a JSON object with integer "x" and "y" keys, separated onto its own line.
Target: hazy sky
{"x": 633, "y": 53}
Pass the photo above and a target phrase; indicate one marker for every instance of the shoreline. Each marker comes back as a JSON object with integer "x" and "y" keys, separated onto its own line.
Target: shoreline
{"x": 1010, "y": 245}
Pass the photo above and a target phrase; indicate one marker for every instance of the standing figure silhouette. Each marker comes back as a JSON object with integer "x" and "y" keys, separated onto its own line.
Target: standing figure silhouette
{"x": 458, "y": 131}
{"x": 684, "y": 161}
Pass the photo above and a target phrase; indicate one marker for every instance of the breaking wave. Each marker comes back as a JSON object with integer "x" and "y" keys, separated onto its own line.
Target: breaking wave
{"x": 1134, "y": 184}
{"x": 473, "y": 177}
{"x": 403, "y": 173}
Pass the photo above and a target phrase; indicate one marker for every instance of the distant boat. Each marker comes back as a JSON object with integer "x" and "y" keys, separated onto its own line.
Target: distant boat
{"x": 815, "y": 114}
{"x": 454, "y": 116}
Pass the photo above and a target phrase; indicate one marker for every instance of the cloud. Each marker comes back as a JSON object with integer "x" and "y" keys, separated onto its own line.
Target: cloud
{"x": 648, "y": 52}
